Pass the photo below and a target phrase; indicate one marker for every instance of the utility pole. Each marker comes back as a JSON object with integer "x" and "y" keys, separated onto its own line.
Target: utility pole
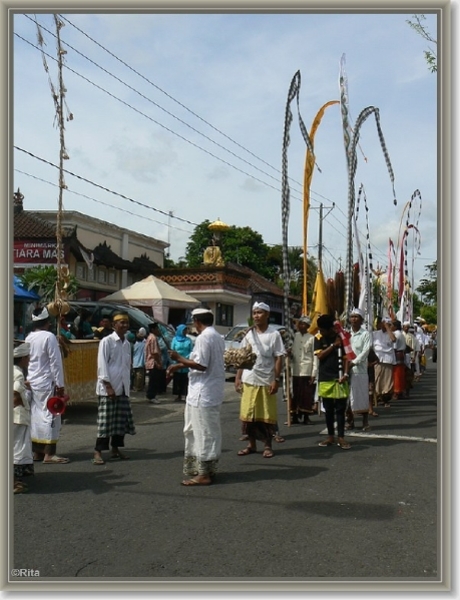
{"x": 320, "y": 234}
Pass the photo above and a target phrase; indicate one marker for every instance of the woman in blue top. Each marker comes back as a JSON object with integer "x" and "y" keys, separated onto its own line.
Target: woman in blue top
{"x": 182, "y": 345}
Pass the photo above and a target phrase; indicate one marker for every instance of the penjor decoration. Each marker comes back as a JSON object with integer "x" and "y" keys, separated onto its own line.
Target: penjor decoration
{"x": 351, "y": 141}
{"x": 308, "y": 174}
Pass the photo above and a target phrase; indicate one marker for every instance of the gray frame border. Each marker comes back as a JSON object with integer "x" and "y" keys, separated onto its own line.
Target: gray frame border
{"x": 446, "y": 45}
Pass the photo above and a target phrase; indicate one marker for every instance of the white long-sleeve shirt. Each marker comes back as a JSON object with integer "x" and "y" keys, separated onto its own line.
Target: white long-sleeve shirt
{"x": 113, "y": 365}
{"x": 45, "y": 364}
{"x": 303, "y": 354}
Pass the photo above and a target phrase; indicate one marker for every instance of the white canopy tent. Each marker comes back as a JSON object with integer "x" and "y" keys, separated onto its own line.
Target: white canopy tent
{"x": 157, "y": 294}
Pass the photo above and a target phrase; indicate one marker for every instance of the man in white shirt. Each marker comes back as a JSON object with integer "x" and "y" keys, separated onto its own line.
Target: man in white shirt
{"x": 45, "y": 375}
{"x": 259, "y": 385}
{"x": 303, "y": 373}
{"x": 202, "y": 429}
{"x": 114, "y": 414}
{"x": 383, "y": 340}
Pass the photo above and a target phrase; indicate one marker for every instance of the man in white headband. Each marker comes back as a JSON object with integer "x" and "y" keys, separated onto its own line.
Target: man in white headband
{"x": 261, "y": 306}
{"x": 359, "y": 378}
{"x": 46, "y": 378}
{"x": 205, "y": 394}
{"x": 259, "y": 386}
{"x": 22, "y": 443}
{"x": 382, "y": 342}
{"x": 41, "y": 316}
{"x": 303, "y": 373}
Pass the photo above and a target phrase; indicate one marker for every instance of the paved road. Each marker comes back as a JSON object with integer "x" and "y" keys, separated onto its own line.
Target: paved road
{"x": 307, "y": 514}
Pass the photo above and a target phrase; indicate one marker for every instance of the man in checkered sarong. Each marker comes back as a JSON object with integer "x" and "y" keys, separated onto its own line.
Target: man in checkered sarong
{"x": 114, "y": 415}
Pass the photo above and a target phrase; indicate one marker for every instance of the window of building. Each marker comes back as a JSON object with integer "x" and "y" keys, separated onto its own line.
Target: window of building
{"x": 101, "y": 275}
{"x": 112, "y": 277}
{"x": 80, "y": 271}
{"x": 92, "y": 274}
{"x": 224, "y": 315}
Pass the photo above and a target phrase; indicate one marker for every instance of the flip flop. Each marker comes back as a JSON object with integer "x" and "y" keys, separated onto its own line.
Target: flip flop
{"x": 98, "y": 461}
{"x": 268, "y": 453}
{"x": 56, "y": 460}
{"x": 246, "y": 451}
{"x": 192, "y": 482}
{"x": 279, "y": 439}
{"x": 326, "y": 443}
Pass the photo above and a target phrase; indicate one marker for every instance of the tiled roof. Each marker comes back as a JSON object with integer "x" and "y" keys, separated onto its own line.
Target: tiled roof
{"x": 29, "y": 225}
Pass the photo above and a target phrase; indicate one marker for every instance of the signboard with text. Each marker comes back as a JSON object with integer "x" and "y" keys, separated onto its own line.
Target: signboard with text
{"x": 34, "y": 253}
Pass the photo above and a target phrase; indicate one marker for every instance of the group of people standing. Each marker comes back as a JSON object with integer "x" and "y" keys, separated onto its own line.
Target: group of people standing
{"x": 342, "y": 379}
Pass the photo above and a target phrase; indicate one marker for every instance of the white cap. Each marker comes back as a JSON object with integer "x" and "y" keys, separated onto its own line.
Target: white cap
{"x": 22, "y": 350}
{"x": 142, "y": 331}
{"x": 42, "y": 316}
{"x": 261, "y": 306}
{"x": 357, "y": 311}
{"x": 386, "y": 320}
{"x": 200, "y": 311}
{"x": 305, "y": 319}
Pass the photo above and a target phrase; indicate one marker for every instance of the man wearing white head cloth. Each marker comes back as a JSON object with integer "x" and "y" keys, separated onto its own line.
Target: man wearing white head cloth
{"x": 205, "y": 394}
{"x": 382, "y": 340}
{"x": 359, "y": 379}
{"x": 22, "y": 443}
{"x": 259, "y": 385}
{"x": 303, "y": 372}
{"x": 46, "y": 378}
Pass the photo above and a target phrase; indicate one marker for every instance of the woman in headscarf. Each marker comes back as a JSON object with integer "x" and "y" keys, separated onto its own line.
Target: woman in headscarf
{"x": 183, "y": 345}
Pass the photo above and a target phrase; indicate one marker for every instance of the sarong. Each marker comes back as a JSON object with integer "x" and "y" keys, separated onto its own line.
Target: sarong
{"x": 359, "y": 393}
{"x": 258, "y": 412}
{"x": 203, "y": 439}
{"x": 383, "y": 379}
{"x": 303, "y": 393}
{"x": 399, "y": 379}
{"x": 22, "y": 445}
{"x": 114, "y": 417}
{"x": 45, "y": 427}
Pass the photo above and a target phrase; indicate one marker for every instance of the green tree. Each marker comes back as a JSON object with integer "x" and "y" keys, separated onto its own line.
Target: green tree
{"x": 241, "y": 245}
{"x": 42, "y": 280}
{"x": 430, "y": 54}
{"x": 295, "y": 256}
{"x": 428, "y": 290}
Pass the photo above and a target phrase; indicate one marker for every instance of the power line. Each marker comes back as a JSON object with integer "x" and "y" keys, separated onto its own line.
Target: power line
{"x": 160, "y": 107}
{"x": 111, "y": 206}
{"x": 106, "y": 189}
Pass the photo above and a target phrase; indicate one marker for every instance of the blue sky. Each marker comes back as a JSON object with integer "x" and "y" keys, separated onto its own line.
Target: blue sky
{"x": 199, "y": 129}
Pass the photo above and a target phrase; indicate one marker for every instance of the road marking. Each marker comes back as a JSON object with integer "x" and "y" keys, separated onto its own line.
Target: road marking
{"x": 385, "y": 436}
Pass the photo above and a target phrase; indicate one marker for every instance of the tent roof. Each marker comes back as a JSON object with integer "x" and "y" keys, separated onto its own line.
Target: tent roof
{"x": 152, "y": 291}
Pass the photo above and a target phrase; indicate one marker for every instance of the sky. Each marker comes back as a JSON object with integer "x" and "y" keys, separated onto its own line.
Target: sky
{"x": 181, "y": 118}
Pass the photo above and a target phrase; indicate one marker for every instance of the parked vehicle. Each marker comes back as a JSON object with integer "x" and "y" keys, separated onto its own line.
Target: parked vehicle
{"x": 101, "y": 309}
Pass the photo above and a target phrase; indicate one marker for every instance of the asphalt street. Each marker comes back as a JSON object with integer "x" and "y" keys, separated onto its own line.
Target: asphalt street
{"x": 307, "y": 514}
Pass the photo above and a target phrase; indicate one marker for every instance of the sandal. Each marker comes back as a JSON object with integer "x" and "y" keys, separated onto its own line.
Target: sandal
{"x": 268, "y": 453}
{"x": 246, "y": 451}
{"x": 278, "y": 439}
{"x": 56, "y": 460}
{"x": 373, "y": 414}
{"x": 324, "y": 443}
{"x": 98, "y": 461}
{"x": 344, "y": 445}
{"x": 20, "y": 487}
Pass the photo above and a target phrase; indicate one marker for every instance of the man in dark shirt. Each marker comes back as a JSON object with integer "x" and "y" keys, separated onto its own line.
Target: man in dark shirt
{"x": 332, "y": 379}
